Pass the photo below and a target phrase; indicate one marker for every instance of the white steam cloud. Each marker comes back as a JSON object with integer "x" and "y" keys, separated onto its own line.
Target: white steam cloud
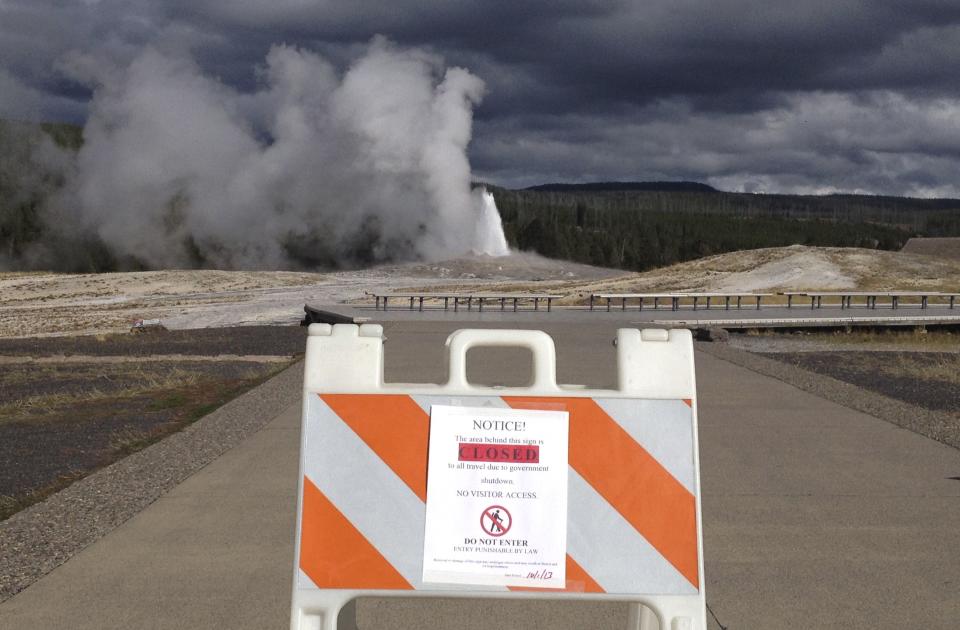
{"x": 314, "y": 168}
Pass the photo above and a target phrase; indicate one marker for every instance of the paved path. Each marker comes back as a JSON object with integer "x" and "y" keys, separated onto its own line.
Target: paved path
{"x": 814, "y": 516}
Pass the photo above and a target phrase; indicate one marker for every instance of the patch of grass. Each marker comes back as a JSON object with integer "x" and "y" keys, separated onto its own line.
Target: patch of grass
{"x": 129, "y": 440}
{"x": 250, "y": 380}
{"x": 202, "y": 410}
{"x": 189, "y": 404}
{"x": 140, "y": 382}
{"x": 931, "y": 367}
{"x": 169, "y": 401}
{"x": 908, "y": 337}
{"x": 11, "y": 505}
{"x": 110, "y": 423}
{"x": 945, "y": 340}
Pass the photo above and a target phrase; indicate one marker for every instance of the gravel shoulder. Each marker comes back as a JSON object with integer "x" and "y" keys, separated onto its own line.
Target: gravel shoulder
{"x": 238, "y": 340}
{"x": 71, "y": 405}
{"x": 43, "y": 536}
{"x": 922, "y": 405}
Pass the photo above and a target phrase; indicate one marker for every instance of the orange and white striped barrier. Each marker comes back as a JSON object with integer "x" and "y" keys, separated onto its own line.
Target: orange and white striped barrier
{"x": 633, "y": 518}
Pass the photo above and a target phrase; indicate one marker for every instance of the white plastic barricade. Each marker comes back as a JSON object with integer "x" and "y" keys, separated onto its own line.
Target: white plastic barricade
{"x": 630, "y": 486}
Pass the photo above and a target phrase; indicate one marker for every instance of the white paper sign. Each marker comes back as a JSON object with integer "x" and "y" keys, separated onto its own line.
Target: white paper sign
{"x": 496, "y": 497}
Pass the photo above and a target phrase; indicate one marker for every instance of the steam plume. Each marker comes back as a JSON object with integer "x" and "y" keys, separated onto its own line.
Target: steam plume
{"x": 314, "y": 168}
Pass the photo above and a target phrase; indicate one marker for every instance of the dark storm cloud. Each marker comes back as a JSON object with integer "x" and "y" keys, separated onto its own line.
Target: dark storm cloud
{"x": 812, "y": 143}
{"x": 777, "y": 95}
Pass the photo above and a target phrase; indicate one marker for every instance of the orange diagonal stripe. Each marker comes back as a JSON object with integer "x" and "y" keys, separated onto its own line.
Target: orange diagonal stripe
{"x": 394, "y": 426}
{"x": 576, "y": 573}
{"x": 335, "y": 554}
{"x": 630, "y": 479}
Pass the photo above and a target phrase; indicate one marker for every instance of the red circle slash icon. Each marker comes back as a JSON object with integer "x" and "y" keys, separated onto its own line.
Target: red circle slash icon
{"x": 496, "y": 520}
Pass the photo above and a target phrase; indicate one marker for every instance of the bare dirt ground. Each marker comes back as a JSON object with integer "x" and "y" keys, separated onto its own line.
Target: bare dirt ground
{"x": 926, "y": 379}
{"x": 916, "y": 371}
{"x": 71, "y": 405}
{"x": 43, "y": 304}
{"x": 941, "y": 247}
{"x": 892, "y": 340}
{"x": 794, "y": 268}
{"x": 249, "y": 341}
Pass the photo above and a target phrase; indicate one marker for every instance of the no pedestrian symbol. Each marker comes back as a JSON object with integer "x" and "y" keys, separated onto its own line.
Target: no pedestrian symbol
{"x": 496, "y": 520}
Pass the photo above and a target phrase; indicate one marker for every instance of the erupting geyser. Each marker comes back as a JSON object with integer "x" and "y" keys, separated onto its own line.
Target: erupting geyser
{"x": 316, "y": 167}
{"x": 490, "y": 237}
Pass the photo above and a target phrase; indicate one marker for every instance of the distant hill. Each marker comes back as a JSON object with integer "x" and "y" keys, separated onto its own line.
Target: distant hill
{"x": 26, "y": 182}
{"x": 640, "y": 225}
{"x": 625, "y": 186}
{"x": 64, "y": 135}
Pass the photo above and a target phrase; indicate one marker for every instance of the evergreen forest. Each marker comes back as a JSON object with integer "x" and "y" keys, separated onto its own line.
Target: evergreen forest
{"x": 641, "y": 225}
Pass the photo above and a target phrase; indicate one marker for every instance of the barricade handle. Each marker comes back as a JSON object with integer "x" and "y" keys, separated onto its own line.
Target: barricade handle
{"x": 538, "y": 342}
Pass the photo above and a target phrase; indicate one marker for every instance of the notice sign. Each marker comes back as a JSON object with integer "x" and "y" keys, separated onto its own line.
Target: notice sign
{"x": 496, "y": 497}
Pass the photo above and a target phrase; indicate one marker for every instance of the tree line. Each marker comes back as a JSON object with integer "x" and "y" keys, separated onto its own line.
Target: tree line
{"x": 637, "y": 227}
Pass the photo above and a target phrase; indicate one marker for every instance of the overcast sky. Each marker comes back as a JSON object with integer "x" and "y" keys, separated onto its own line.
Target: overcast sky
{"x": 767, "y": 96}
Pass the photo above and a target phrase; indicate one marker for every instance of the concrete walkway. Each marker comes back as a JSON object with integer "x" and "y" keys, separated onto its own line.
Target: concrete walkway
{"x": 814, "y": 516}
{"x": 214, "y": 552}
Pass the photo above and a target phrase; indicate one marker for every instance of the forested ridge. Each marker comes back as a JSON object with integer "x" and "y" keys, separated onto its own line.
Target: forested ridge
{"x": 29, "y": 174}
{"x": 640, "y": 225}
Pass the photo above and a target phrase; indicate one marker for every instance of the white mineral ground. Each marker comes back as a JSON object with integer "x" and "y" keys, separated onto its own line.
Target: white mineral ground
{"x": 49, "y": 304}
